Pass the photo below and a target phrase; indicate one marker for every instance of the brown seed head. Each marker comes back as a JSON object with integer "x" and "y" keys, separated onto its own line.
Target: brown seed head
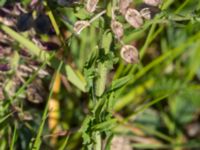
{"x": 130, "y": 54}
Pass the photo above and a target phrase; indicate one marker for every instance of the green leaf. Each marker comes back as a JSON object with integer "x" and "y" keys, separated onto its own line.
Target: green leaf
{"x": 2, "y": 2}
{"x": 33, "y": 49}
{"x": 106, "y": 125}
{"x": 118, "y": 83}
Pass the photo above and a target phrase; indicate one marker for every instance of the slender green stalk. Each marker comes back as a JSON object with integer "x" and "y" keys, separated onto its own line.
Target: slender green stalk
{"x": 63, "y": 146}
{"x": 38, "y": 140}
{"x": 13, "y": 138}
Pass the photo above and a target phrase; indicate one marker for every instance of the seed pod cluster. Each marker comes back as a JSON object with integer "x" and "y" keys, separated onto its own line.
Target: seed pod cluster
{"x": 41, "y": 24}
{"x": 135, "y": 17}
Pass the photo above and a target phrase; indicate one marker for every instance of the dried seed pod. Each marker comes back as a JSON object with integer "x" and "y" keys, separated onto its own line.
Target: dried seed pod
{"x": 42, "y": 24}
{"x": 80, "y": 25}
{"x": 144, "y": 8}
{"x": 24, "y": 22}
{"x": 91, "y": 5}
{"x": 146, "y": 13}
{"x": 117, "y": 29}
{"x": 134, "y": 18}
{"x": 123, "y": 5}
{"x": 153, "y": 2}
{"x": 130, "y": 54}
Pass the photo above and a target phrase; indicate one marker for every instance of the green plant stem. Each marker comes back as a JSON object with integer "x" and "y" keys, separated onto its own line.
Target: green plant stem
{"x": 38, "y": 141}
{"x": 13, "y": 138}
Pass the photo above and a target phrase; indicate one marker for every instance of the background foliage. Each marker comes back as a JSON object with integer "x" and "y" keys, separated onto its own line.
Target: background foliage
{"x": 91, "y": 98}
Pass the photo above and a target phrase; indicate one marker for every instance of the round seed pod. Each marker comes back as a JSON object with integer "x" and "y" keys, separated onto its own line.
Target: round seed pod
{"x": 42, "y": 24}
{"x": 153, "y": 2}
{"x": 117, "y": 29}
{"x": 91, "y": 5}
{"x": 134, "y": 18}
{"x": 24, "y": 22}
{"x": 130, "y": 54}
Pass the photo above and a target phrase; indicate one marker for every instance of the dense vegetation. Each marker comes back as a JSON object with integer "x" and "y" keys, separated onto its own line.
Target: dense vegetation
{"x": 91, "y": 74}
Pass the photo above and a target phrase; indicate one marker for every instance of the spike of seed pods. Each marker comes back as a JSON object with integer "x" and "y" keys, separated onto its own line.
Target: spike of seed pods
{"x": 91, "y": 5}
{"x": 153, "y": 2}
{"x": 134, "y": 18}
{"x": 130, "y": 54}
{"x": 117, "y": 29}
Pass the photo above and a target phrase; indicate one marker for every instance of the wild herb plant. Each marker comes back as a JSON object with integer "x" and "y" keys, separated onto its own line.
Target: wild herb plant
{"x": 90, "y": 74}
